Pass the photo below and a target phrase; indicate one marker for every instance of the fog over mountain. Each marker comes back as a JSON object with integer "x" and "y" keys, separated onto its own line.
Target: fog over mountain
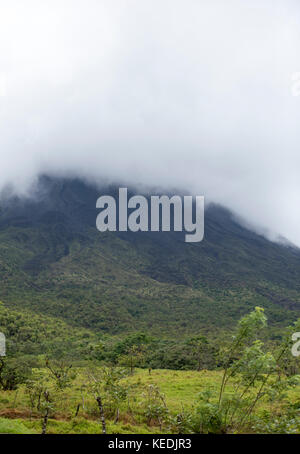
{"x": 186, "y": 94}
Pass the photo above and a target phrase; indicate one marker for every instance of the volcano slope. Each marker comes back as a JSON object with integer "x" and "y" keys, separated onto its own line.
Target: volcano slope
{"x": 54, "y": 262}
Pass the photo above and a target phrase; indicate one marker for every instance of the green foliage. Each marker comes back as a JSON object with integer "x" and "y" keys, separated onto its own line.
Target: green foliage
{"x": 12, "y": 373}
{"x": 108, "y": 389}
{"x": 55, "y": 264}
{"x": 207, "y": 415}
{"x": 34, "y": 334}
{"x": 35, "y": 389}
{"x": 284, "y": 421}
{"x": 61, "y": 372}
{"x": 154, "y": 406}
{"x": 250, "y": 375}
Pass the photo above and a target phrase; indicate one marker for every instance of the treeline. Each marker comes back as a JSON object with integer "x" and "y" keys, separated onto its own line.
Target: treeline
{"x": 144, "y": 351}
{"x": 34, "y": 337}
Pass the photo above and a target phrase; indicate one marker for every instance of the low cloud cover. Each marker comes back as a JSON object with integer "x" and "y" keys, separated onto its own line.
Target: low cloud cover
{"x": 192, "y": 94}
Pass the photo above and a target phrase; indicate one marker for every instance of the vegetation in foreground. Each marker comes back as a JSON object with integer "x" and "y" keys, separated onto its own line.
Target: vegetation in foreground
{"x": 254, "y": 389}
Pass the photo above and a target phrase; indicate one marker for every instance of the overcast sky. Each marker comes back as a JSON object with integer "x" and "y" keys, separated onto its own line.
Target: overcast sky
{"x": 191, "y": 93}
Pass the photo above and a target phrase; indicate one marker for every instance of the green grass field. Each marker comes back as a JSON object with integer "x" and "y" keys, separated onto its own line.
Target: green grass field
{"x": 180, "y": 390}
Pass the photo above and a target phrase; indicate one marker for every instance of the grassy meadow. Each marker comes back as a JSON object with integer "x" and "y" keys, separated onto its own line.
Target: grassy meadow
{"x": 179, "y": 389}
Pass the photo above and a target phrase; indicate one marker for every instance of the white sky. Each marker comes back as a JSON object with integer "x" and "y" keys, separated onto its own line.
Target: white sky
{"x": 192, "y": 93}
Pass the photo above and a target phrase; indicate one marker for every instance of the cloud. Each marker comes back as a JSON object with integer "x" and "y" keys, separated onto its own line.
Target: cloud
{"x": 188, "y": 94}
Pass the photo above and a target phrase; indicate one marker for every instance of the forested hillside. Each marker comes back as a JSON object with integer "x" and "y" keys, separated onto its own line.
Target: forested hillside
{"x": 54, "y": 262}
{"x": 144, "y": 320}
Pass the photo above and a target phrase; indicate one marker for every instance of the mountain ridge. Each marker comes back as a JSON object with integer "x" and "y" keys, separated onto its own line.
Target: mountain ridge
{"x": 54, "y": 261}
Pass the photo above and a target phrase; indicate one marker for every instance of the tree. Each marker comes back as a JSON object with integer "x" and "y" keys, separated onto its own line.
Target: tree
{"x": 154, "y": 405}
{"x": 47, "y": 405}
{"x": 198, "y": 344}
{"x": 43, "y": 394}
{"x": 248, "y": 328}
{"x": 61, "y": 372}
{"x": 104, "y": 384}
{"x": 250, "y": 374}
{"x": 13, "y": 372}
{"x": 134, "y": 357}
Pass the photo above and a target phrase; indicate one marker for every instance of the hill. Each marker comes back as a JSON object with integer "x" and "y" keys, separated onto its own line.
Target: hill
{"x": 53, "y": 262}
